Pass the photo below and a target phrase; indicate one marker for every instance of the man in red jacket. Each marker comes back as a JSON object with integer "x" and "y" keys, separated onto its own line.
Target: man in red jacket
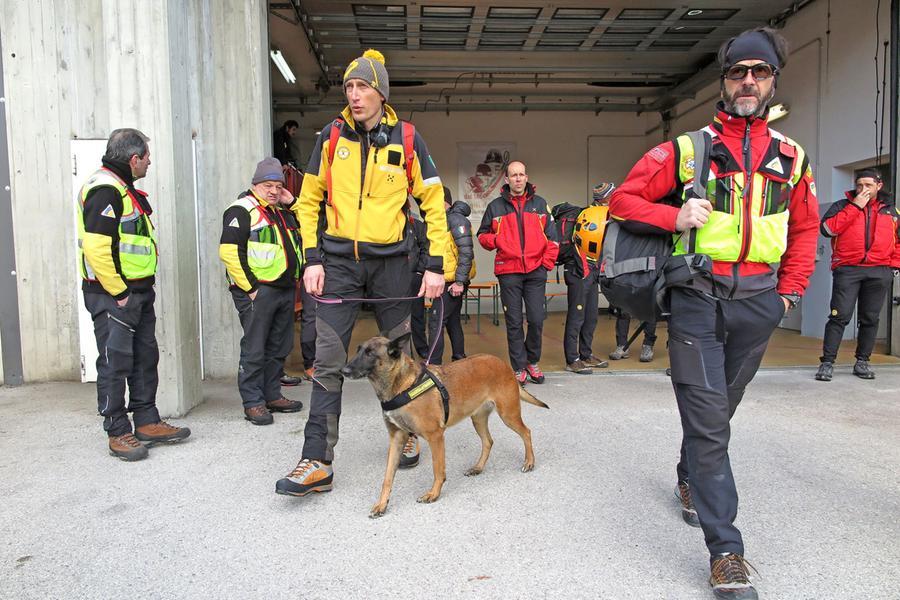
{"x": 758, "y": 224}
{"x": 519, "y": 227}
{"x": 865, "y": 248}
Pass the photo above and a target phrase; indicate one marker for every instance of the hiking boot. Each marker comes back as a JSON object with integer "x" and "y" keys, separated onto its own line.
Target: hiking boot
{"x": 410, "y": 456}
{"x": 646, "y": 353}
{"x": 308, "y": 476}
{"x": 259, "y": 415}
{"x": 668, "y": 371}
{"x": 289, "y": 380}
{"x": 729, "y": 578}
{"x": 284, "y": 405}
{"x": 688, "y": 512}
{"x": 825, "y": 372}
{"x": 159, "y": 433}
{"x": 535, "y": 373}
{"x": 861, "y": 369}
{"x": 521, "y": 377}
{"x": 595, "y": 362}
{"x": 619, "y": 353}
{"x": 579, "y": 367}
{"x": 127, "y": 447}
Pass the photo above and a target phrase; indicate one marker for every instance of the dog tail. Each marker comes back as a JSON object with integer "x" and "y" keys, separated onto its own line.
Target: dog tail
{"x": 526, "y": 397}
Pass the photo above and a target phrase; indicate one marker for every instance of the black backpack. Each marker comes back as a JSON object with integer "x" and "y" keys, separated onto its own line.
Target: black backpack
{"x": 564, "y": 216}
{"x": 637, "y": 268}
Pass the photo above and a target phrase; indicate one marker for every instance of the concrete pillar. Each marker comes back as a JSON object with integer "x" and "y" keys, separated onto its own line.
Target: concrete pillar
{"x": 190, "y": 75}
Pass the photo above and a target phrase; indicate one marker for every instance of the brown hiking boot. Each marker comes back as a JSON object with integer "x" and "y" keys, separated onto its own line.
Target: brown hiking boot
{"x": 410, "y": 455}
{"x": 259, "y": 415}
{"x": 284, "y": 405}
{"x": 688, "y": 511}
{"x": 127, "y": 447}
{"x": 162, "y": 432}
{"x": 729, "y": 577}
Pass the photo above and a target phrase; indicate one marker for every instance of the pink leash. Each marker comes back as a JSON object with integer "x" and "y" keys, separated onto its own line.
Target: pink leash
{"x": 440, "y": 329}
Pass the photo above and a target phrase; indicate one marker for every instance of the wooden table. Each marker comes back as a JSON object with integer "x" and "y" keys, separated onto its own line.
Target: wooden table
{"x": 475, "y": 293}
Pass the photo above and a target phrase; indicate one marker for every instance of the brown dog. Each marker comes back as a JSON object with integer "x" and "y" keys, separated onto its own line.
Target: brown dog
{"x": 476, "y": 385}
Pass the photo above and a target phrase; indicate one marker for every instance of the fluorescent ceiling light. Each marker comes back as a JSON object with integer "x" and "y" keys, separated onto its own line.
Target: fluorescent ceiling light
{"x": 778, "y": 111}
{"x": 282, "y": 65}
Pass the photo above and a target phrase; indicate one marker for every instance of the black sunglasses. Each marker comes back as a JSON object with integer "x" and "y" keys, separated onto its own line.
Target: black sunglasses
{"x": 760, "y": 72}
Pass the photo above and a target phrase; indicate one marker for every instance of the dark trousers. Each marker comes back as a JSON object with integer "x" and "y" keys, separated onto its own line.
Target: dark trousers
{"x": 348, "y": 278}
{"x": 307, "y": 328}
{"x": 268, "y": 324}
{"x": 623, "y": 324}
{"x": 451, "y": 307}
{"x": 715, "y": 348}
{"x": 851, "y": 284}
{"x": 126, "y": 341}
{"x": 417, "y": 316}
{"x": 514, "y": 289}
{"x": 581, "y": 314}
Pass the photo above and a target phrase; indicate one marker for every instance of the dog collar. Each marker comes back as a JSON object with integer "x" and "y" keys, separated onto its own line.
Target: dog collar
{"x": 423, "y": 383}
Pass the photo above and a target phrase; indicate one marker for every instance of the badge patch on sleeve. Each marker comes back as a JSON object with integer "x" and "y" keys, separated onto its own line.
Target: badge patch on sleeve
{"x": 394, "y": 157}
{"x": 108, "y": 212}
{"x": 658, "y": 154}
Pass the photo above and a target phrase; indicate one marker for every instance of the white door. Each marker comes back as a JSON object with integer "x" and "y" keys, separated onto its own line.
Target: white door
{"x": 86, "y": 155}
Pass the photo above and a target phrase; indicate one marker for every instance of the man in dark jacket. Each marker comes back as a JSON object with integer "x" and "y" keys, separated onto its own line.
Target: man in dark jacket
{"x": 282, "y": 142}
{"x": 758, "y": 225}
{"x": 452, "y": 299}
{"x": 865, "y": 249}
{"x": 519, "y": 227}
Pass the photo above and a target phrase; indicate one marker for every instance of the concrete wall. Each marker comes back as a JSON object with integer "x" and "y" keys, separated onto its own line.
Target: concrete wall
{"x": 172, "y": 69}
{"x": 830, "y": 84}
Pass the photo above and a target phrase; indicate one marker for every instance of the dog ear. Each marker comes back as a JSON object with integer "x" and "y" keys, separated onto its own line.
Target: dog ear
{"x": 395, "y": 348}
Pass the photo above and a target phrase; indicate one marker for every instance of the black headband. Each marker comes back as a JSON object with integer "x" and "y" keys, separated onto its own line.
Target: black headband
{"x": 751, "y": 45}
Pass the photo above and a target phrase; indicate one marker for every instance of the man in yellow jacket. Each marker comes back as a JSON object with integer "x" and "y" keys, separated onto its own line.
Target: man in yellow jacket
{"x": 362, "y": 168}
{"x": 260, "y": 246}
{"x": 117, "y": 260}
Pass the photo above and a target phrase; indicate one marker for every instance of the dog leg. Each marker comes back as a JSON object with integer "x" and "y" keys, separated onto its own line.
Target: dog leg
{"x": 511, "y": 414}
{"x": 480, "y": 421}
{"x": 398, "y": 438}
{"x": 436, "y": 444}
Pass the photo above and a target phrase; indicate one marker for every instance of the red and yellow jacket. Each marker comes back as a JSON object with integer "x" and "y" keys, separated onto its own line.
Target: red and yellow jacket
{"x": 742, "y": 150}
{"x": 366, "y": 216}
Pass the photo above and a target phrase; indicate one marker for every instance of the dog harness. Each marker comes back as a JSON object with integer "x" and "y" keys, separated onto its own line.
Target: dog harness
{"x": 424, "y": 382}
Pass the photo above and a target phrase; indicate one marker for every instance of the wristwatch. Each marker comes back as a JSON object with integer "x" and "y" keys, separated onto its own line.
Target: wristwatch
{"x": 793, "y": 298}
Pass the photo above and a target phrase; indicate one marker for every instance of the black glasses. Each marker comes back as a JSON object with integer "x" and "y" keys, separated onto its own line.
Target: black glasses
{"x": 760, "y": 71}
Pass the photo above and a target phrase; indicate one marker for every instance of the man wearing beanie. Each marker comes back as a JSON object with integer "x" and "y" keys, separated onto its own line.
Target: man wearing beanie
{"x": 758, "y": 223}
{"x": 260, "y": 246}
{"x": 364, "y": 165}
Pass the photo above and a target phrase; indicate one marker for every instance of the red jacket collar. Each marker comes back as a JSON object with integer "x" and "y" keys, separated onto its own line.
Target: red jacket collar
{"x": 728, "y": 125}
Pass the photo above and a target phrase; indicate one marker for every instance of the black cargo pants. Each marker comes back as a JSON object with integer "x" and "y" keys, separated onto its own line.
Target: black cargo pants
{"x": 126, "y": 341}
{"x": 715, "y": 348}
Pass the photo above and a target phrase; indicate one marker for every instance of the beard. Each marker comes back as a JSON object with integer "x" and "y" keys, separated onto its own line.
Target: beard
{"x": 746, "y": 106}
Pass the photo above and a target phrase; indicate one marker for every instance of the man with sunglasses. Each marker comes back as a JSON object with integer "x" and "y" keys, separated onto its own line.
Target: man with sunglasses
{"x": 758, "y": 224}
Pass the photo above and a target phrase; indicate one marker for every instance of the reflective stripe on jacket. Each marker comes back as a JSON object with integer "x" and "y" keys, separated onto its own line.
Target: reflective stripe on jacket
{"x": 137, "y": 238}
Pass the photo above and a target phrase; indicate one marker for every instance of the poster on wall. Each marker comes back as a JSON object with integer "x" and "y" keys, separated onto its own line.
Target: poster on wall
{"x": 482, "y": 167}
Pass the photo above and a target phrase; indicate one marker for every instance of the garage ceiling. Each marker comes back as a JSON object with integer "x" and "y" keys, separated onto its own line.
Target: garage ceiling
{"x": 448, "y": 55}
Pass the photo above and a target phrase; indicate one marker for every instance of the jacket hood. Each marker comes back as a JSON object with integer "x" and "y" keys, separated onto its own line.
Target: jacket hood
{"x": 506, "y": 193}
{"x": 460, "y": 208}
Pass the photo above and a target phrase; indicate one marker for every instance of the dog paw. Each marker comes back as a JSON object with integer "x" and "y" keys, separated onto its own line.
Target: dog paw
{"x": 472, "y": 472}
{"x": 427, "y": 498}
{"x": 527, "y": 467}
{"x": 378, "y": 511}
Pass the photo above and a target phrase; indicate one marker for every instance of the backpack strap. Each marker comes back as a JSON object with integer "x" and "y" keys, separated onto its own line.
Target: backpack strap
{"x": 333, "y": 138}
{"x": 701, "y": 143}
{"x": 408, "y": 131}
